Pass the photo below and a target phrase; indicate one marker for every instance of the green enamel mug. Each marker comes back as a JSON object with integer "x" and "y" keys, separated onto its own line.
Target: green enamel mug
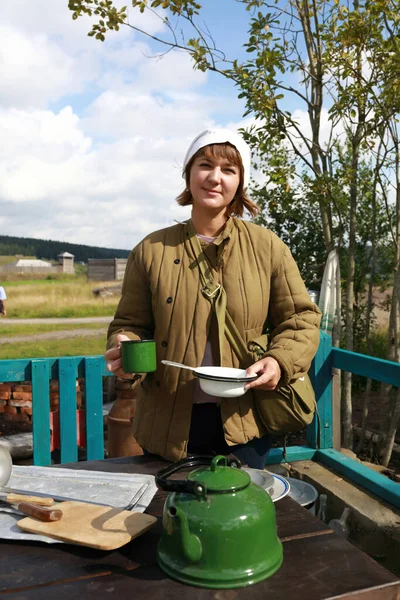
{"x": 138, "y": 356}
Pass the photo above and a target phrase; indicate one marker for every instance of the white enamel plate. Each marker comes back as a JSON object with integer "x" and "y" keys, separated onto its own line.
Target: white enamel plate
{"x": 275, "y": 485}
{"x": 281, "y": 488}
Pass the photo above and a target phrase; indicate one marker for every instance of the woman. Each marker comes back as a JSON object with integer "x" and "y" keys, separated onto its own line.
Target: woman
{"x": 162, "y": 299}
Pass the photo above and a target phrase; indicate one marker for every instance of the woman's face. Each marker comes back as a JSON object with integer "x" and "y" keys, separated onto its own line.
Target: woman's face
{"x": 213, "y": 182}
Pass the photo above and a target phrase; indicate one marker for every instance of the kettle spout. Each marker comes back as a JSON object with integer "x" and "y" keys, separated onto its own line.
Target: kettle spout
{"x": 191, "y": 544}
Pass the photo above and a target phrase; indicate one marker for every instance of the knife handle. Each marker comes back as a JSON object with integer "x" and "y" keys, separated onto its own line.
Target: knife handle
{"x": 38, "y": 512}
{"x": 14, "y": 498}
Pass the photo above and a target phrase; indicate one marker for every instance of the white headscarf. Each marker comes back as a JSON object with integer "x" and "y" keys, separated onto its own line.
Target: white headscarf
{"x": 220, "y": 136}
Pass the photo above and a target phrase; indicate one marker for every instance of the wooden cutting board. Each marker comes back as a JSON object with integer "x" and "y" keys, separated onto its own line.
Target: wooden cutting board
{"x": 85, "y": 524}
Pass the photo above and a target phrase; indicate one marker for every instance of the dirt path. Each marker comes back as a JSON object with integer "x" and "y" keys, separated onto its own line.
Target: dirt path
{"x": 53, "y": 335}
{"x": 70, "y": 321}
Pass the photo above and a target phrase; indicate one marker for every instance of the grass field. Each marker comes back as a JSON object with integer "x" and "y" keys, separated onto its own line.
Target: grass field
{"x": 56, "y": 298}
{"x": 61, "y": 296}
{"x": 22, "y": 329}
{"x": 85, "y": 346}
{"x": 78, "y": 346}
{"x": 48, "y": 280}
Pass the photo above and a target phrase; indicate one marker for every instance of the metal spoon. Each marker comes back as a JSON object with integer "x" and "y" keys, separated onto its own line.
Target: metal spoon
{"x": 175, "y": 364}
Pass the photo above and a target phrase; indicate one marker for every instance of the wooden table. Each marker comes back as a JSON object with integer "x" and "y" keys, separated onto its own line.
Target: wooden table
{"x": 317, "y": 563}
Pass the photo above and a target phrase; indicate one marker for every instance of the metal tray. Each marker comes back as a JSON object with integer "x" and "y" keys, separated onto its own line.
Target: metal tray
{"x": 118, "y": 490}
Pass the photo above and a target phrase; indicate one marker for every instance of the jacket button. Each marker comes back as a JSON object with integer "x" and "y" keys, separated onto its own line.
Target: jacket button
{"x": 177, "y": 261}
{"x": 169, "y": 300}
{"x": 164, "y": 344}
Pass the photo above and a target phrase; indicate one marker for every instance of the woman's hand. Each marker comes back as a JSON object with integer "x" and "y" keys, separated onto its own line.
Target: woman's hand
{"x": 269, "y": 373}
{"x": 114, "y": 360}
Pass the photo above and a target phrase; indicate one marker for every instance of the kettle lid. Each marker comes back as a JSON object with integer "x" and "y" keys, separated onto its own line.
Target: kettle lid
{"x": 220, "y": 478}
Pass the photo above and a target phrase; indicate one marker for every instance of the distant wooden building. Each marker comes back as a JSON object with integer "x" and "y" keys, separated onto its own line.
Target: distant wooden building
{"x": 106, "y": 269}
{"x": 30, "y": 265}
{"x": 66, "y": 263}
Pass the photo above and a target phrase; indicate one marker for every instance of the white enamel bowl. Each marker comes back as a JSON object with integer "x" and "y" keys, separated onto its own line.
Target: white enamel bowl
{"x": 223, "y": 382}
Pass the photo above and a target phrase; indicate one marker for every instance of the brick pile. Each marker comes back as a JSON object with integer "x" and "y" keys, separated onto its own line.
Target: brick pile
{"x": 16, "y": 400}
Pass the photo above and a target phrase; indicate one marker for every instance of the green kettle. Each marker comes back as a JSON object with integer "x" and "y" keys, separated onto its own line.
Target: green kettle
{"x": 219, "y": 528}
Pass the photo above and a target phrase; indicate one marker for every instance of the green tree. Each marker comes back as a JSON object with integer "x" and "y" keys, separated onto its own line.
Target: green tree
{"x": 288, "y": 207}
{"x": 336, "y": 62}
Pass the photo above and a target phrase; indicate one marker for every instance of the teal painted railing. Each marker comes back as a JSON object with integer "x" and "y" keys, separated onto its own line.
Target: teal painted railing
{"x": 66, "y": 370}
{"x": 326, "y": 359}
{"x": 92, "y": 369}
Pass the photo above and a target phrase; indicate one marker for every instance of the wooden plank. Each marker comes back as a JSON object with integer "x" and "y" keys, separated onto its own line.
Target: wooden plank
{"x": 41, "y": 412}
{"x": 317, "y": 565}
{"x": 67, "y": 392}
{"x": 20, "y": 369}
{"x": 322, "y": 566}
{"x": 321, "y": 377}
{"x": 15, "y": 370}
{"x": 336, "y": 410}
{"x": 293, "y": 453}
{"x": 368, "y": 366}
{"x": 295, "y": 522}
{"x": 29, "y": 564}
{"x": 81, "y": 365}
{"x": 376, "y": 483}
{"x": 389, "y": 591}
{"x": 316, "y": 568}
{"x": 94, "y": 408}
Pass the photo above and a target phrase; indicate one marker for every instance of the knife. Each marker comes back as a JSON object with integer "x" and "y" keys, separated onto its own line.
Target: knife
{"x": 15, "y": 498}
{"x": 38, "y": 512}
{"x": 59, "y": 498}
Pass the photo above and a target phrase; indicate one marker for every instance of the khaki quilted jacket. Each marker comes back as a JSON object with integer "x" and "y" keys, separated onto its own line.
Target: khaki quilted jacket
{"x": 161, "y": 299}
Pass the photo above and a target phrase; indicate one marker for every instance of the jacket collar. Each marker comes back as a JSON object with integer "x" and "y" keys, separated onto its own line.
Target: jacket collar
{"x": 221, "y": 244}
{"x": 225, "y": 234}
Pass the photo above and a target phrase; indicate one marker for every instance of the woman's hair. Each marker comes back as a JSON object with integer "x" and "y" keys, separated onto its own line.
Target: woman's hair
{"x": 240, "y": 202}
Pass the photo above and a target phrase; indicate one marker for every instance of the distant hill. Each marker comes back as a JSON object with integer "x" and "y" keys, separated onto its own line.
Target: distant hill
{"x": 49, "y": 249}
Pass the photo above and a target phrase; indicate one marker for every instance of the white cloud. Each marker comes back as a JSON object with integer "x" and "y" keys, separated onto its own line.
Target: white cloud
{"x": 41, "y": 135}
{"x": 93, "y": 135}
{"x": 54, "y": 19}
{"x": 53, "y": 175}
{"x": 126, "y": 113}
{"x": 35, "y": 70}
{"x": 45, "y": 55}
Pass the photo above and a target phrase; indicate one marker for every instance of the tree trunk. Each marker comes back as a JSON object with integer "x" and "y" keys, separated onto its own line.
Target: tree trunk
{"x": 347, "y": 404}
{"x": 364, "y": 417}
{"x": 391, "y": 434}
{"x": 313, "y": 44}
{"x": 390, "y": 410}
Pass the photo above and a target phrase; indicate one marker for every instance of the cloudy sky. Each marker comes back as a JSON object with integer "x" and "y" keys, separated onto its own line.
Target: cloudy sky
{"x": 93, "y": 134}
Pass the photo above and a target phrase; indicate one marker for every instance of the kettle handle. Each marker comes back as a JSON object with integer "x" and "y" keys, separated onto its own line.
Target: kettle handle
{"x": 195, "y": 488}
